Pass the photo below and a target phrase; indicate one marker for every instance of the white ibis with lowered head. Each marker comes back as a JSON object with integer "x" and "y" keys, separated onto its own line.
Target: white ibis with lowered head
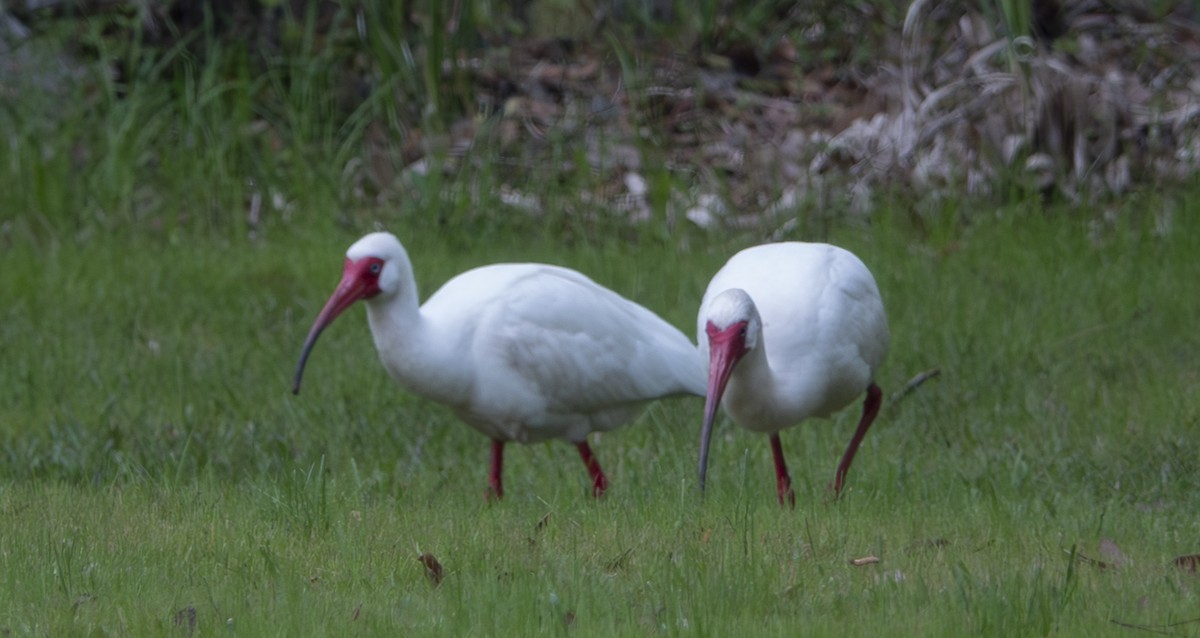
{"x": 791, "y": 331}
{"x": 521, "y": 352}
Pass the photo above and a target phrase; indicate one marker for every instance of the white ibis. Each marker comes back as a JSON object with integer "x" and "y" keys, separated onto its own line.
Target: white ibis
{"x": 521, "y": 352}
{"x": 791, "y": 331}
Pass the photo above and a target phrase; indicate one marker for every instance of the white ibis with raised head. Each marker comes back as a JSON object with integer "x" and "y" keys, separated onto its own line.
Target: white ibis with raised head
{"x": 791, "y": 331}
{"x": 521, "y": 352}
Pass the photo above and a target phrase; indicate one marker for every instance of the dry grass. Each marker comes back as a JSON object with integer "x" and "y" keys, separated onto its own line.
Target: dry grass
{"x": 1107, "y": 107}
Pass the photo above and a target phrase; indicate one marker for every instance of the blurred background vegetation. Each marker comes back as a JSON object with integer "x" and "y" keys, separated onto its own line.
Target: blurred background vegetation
{"x": 226, "y": 116}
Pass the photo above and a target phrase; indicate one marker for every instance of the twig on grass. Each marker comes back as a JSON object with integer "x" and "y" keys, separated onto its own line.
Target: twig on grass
{"x": 1084, "y": 558}
{"x": 1154, "y": 629}
{"x": 913, "y": 384}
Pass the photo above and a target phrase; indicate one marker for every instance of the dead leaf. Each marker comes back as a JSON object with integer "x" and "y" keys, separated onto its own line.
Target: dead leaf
{"x": 569, "y": 618}
{"x": 185, "y": 619}
{"x": 1109, "y": 550}
{"x": 865, "y": 560}
{"x": 705, "y": 535}
{"x": 354, "y": 614}
{"x": 433, "y": 569}
{"x": 1189, "y": 563}
{"x": 619, "y": 562}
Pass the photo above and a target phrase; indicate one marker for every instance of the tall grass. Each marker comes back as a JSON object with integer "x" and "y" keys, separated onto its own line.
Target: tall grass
{"x": 189, "y": 135}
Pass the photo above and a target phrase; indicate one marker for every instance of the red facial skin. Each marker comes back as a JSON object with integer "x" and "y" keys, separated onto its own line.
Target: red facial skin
{"x": 725, "y": 348}
{"x": 360, "y": 280}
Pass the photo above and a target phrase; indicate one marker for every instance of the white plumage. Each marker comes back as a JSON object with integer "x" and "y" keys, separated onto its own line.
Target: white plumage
{"x": 521, "y": 352}
{"x": 791, "y": 331}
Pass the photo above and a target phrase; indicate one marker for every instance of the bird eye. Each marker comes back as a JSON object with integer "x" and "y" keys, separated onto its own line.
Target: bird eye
{"x": 742, "y": 332}
{"x": 375, "y": 268}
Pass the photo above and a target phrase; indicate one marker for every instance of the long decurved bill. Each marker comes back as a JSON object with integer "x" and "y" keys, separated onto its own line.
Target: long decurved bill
{"x": 351, "y": 288}
{"x": 725, "y": 349}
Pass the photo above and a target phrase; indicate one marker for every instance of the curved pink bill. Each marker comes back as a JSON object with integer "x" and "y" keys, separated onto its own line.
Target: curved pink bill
{"x": 350, "y": 289}
{"x": 725, "y": 349}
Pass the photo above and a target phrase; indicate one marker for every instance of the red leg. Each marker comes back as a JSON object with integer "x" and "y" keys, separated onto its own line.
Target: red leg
{"x": 495, "y": 489}
{"x": 599, "y": 481}
{"x": 782, "y": 478}
{"x": 870, "y": 409}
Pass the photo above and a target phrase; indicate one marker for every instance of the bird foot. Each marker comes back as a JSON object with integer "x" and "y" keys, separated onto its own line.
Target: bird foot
{"x": 599, "y": 486}
{"x": 833, "y": 491}
{"x": 787, "y": 497}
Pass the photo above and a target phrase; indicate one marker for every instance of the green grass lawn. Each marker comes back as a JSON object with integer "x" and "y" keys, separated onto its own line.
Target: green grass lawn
{"x": 159, "y": 478}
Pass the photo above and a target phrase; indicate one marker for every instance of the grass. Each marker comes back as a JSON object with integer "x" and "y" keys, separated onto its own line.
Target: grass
{"x": 157, "y": 469}
{"x": 157, "y": 476}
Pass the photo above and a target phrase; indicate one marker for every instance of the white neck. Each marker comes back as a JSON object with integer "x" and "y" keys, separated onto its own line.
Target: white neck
{"x": 751, "y": 381}
{"x": 415, "y": 351}
{"x": 759, "y": 399}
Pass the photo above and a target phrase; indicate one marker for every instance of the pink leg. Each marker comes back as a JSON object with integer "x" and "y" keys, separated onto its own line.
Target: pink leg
{"x": 599, "y": 481}
{"x": 495, "y": 489}
{"x": 782, "y": 478}
{"x": 870, "y": 409}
